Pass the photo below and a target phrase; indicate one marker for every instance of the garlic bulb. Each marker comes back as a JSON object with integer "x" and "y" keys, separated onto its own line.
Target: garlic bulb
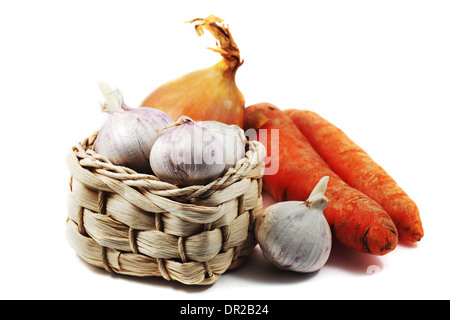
{"x": 295, "y": 235}
{"x": 187, "y": 153}
{"x": 128, "y": 135}
{"x": 232, "y": 138}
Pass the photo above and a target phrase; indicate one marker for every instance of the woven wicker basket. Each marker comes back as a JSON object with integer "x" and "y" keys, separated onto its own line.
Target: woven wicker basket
{"x": 135, "y": 224}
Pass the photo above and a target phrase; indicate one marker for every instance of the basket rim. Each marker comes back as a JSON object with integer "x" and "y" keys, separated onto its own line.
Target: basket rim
{"x": 188, "y": 203}
{"x": 84, "y": 162}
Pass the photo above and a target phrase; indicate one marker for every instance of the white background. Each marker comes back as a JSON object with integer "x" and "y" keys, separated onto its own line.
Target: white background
{"x": 379, "y": 70}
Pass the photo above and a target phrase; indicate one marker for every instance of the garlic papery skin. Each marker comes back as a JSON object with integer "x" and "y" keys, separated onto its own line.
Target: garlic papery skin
{"x": 295, "y": 235}
{"x": 128, "y": 134}
{"x": 233, "y": 141}
{"x": 187, "y": 153}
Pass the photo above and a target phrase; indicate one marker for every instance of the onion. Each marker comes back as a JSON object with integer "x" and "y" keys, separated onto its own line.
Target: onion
{"x": 128, "y": 135}
{"x": 187, "y": 154}
{"x": 207, "y": 94}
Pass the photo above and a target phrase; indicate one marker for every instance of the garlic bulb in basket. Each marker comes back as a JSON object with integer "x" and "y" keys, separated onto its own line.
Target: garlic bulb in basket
{"x": 295, "y": 235}
{"x": 187, "y": 153}
{"x": 232, "y": 138}
{"x": 128, "y": 135}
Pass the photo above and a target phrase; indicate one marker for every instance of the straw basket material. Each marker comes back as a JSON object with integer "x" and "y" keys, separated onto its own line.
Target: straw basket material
{"x": 135, "y": 224}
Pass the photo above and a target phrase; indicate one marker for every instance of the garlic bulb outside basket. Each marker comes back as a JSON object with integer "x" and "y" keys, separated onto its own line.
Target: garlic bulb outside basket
{"x": 295, "y": 235}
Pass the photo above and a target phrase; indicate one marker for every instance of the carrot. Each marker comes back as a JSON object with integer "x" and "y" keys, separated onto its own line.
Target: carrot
{"x": 360, "y": 171}
{"x": 356, "y": 220}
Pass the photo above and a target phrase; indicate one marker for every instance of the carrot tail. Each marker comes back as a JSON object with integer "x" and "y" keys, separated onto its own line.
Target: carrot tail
{"x": 359, "y": 170}
{"x": 356, "y": 220}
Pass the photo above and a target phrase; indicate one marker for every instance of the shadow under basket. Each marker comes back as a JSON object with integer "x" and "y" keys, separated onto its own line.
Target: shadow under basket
{"x": 136, "y": 224}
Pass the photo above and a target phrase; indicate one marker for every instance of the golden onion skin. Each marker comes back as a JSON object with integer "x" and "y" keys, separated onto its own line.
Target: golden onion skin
{"x": 206, "y": 94}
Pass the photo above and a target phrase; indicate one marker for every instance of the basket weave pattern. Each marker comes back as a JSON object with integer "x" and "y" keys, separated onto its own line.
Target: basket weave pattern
{"x": 135, "y": 224}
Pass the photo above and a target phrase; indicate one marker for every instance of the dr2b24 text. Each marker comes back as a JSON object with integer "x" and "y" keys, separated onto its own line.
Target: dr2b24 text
{"x": 234, "y": 309}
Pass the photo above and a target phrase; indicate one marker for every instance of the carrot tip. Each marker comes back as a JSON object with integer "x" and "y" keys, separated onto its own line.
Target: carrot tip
{"x": 412, "y": 234}
{"x": 377, "y": 243}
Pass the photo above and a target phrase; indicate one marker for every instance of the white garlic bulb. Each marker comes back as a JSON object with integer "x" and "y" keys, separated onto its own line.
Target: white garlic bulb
{"x": 128, "y": 135}
{"x": 233, "y": 141}
{"x": 295, "y": 235}
{"x": 187, "y": 153}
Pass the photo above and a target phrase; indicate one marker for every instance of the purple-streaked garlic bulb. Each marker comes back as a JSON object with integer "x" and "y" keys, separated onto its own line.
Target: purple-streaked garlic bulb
{"x": 128, "y": 134}
{"x": 187, "y": 153}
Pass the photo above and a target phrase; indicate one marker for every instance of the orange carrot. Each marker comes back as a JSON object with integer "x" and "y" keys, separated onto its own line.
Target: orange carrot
{"x": 360, "y": 171}
{"x": 355, "y": 219}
